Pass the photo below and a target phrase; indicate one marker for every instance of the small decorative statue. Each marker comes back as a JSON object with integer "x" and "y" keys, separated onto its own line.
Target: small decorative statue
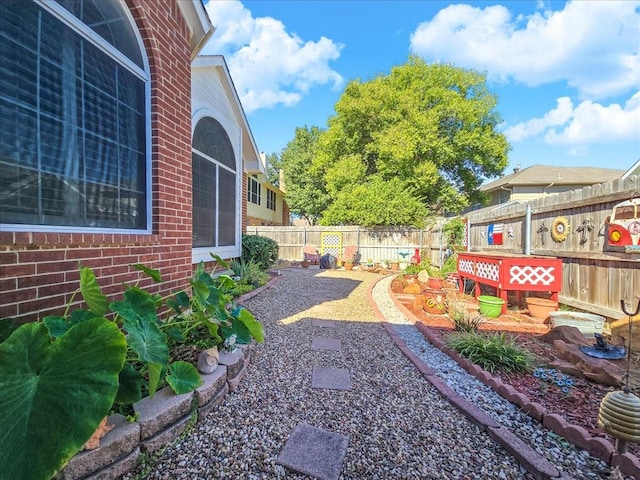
{"x": 229, "y": 344}
{"x": 600, "y": 349}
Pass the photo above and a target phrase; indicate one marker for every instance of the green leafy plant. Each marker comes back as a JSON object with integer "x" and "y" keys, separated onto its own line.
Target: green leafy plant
{"x": 210, "y": 308}
{"x": 454, "y": 233}
{"x": 260, "y": 250}
{"x": 56, "y": 389}
{"x": 248, "y": 273}
{"x": 493, "y": 352}
{"x": 465, "y": 321}
{"x": 147, "y": 364}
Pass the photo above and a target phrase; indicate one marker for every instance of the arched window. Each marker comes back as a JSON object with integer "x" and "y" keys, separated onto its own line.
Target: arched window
{"x": 214, "y": 186}
{"x": 73, "y": 117}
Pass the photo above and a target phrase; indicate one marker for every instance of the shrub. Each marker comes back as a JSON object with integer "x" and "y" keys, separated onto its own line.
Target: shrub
{"x": 249, "y": 273}
{"x": 260, "y": 250}
{"x": 493, "y": 352}
{"x": 464, "y": 321}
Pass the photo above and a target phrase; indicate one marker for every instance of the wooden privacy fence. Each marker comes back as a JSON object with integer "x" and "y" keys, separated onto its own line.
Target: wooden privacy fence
{"x": 594, "y": 279}
{"x": 374, "y": 244}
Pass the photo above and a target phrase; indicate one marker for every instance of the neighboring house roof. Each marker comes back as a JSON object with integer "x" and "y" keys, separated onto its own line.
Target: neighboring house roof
{"x": 544, "y": 175}
{"x": 634, "y": 170}
{"x": 198, "y": 22}
{"x": 250, "y": 154}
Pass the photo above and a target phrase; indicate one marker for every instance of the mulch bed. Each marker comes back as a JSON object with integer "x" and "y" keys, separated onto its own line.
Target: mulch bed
{"x": 579, "y": 407}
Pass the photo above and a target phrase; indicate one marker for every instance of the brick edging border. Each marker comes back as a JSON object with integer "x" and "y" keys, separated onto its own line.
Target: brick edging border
{"x": 535, "y": 463}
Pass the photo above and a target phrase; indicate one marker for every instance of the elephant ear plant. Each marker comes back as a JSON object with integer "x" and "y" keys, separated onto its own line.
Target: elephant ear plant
{"x": 60, "y": 377}
{"x": 56, "y": 389}
{"x": 210, "y": 308}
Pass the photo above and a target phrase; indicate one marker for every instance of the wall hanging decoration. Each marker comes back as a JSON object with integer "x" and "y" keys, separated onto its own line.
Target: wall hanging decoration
{"x": 622, "y": 227}
{"x": 542, "y": 230}
{"x": 494, "y": 236}
{"x": 584, "y": 229}
{"x": 560, "y": 229}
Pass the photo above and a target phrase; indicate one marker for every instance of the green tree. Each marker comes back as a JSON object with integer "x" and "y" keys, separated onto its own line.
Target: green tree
{"x": 376, "y": 203}
{"x": 427, "y": 130}
{"x": 305, "y": 189}
{"x": 274, "y": 165}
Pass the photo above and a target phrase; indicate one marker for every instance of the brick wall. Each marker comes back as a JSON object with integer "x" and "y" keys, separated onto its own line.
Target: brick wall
{"x": 39, "y": 271}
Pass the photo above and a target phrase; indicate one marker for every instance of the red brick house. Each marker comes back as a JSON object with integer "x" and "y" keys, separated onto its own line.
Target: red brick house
{"x": 95, "y": 146}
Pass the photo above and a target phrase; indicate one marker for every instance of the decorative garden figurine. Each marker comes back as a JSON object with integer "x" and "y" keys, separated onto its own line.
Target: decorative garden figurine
{"x": 229, "y": 345}
{"x": 415, "y": 259}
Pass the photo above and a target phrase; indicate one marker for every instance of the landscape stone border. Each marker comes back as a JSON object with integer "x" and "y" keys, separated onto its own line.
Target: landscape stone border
{"x": 537, "y": 465}
{"x": 161, "y": 420}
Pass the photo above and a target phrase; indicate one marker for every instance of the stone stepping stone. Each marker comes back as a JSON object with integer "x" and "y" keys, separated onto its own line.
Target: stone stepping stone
{"x": 317, "y": 322}
{"x": 323, "y": 343}
{"x": 331, "y": 378}
{"x": 315, "y": 452}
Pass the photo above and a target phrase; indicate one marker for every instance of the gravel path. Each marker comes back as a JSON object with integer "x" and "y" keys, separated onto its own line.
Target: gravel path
{"x": 399, "y": 427}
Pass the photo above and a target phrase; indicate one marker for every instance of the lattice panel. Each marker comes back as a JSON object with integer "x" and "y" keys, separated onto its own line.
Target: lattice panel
{"x": 331, "y": 242}
{"x": 466, "y": 266}
{"x": 490, "y": 271}
{"x": 527, "y": 275}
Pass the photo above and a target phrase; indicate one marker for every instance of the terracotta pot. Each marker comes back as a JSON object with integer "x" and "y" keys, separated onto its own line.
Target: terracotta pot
{"x": 436, "y": 283}
{"x": 395, "y": 265}
{"x": 348, "y": 266}
{"x": 541, "y": 307}
{"x": 434, "y": 302}
{"x": 304, "y": 264}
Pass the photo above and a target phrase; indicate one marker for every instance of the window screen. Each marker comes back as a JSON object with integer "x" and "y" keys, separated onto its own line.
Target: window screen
{"x": 73, "y": 123}
{"x": 214, "y": 186}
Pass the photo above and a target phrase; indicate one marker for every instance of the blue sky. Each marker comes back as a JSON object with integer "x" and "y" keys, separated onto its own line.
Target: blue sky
{"x": 567, "y": 74}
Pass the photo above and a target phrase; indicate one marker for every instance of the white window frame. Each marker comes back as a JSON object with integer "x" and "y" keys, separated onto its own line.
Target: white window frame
{"x": 199, "y": 254}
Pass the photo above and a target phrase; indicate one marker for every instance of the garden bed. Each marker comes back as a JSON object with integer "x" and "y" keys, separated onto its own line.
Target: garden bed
{"x": 578, "y": 405}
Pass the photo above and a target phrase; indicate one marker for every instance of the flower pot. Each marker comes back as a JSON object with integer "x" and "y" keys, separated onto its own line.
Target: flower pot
{"x": 587, "y": 323}
{"x": 395, "y": 265}
{"x": 436, "y": 283}
{"x": 490, "y": 307}
{"x": 540, "y": 307}
{"x": 348, "y": 266}
{"x": 434, "y": 302}
{"x": 304, "y": 264}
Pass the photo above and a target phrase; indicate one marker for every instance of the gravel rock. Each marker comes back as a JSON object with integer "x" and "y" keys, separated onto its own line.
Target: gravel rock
{"x": 398, "y": 425}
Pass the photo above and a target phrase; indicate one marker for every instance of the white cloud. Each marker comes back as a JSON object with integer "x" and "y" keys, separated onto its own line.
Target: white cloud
{"x": 596, "y": 123}
{"x": 587, "y": 123}
{"x": 269, "y": 65}
{"x": 592, "y": 46}
{"x": 556, "y": 117}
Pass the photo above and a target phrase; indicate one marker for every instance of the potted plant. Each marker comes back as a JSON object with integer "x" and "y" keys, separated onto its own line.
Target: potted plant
{"x": 348, "y": 262}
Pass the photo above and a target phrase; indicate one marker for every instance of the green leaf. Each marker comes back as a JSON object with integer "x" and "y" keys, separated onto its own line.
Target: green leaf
{"x": 59, "y": 325}
{"x": 137, "y": 304}
{"x": 149, "y": 272}
{"x": 182, "y": 299}
{"x": 255, "y": 327}
{"x": 130, "y": 390}
{"x": 222, "y": 263}
{"x": 237, "y": 327}
{"x": 155, "y": 375}
{"x": 90, "y": 290}
{"x": 54, "y": 394}
{"x": 183, "y": 377}
{"x": 225, "y": 281}
{"x": 7, "y": 327}
{"x": 147, "y": 341}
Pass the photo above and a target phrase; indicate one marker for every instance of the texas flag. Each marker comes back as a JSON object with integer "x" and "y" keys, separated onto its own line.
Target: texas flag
{"x": 495, "y": 234}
